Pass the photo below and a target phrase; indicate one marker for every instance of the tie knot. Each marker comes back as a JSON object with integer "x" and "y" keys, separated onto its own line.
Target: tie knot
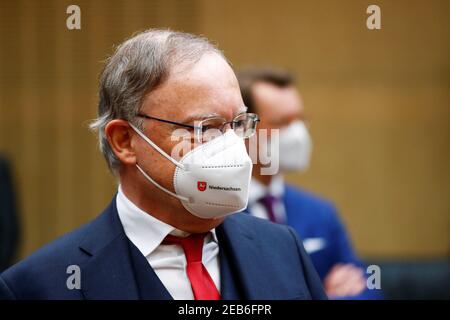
{"x": 269, "y": 203}
{"x": 268, "y": 199}
{"x": 192, "y": 245}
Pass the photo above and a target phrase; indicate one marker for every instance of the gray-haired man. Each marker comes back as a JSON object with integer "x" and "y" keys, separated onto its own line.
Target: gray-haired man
{"x": 171, "y": 123}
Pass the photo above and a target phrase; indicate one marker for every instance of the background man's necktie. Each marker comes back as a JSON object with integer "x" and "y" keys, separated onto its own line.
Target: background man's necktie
{"x": 202, "y": 284}
{"x": 269, "y": 203}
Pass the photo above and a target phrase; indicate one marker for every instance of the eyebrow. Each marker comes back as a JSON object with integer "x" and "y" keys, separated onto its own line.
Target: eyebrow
{"x": 243, "y": 109}
{"x": 203, "y": 116}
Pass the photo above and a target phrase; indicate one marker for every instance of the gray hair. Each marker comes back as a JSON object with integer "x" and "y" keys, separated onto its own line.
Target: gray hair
{"x": 137, "y": 67}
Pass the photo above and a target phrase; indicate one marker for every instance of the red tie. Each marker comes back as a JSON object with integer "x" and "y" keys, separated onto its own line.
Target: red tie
{"x": 202, "y": 285}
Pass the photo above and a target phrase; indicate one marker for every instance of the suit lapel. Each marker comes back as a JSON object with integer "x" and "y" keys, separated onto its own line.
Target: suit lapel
{"x": 246, "y": 258}
{"x": 230, "y": 288}
{"x": 149, "y": 285}
{"x": 108, "y": 273}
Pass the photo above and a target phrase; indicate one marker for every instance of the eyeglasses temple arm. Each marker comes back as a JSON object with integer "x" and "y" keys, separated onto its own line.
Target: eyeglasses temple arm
{"x": 168, "y": 121}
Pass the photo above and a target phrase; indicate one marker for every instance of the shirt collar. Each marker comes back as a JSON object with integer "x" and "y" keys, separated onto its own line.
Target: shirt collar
{"x": 145, "y": 231}
{"x": 259, "y": 190}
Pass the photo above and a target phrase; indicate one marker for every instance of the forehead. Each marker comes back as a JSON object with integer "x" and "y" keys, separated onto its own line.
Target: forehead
{"x": 209, "y": 86}
{"x": 272, "y": 99}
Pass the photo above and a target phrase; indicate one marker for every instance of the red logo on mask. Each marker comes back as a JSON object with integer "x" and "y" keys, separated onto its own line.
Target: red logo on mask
{"x": 201, "y": 185}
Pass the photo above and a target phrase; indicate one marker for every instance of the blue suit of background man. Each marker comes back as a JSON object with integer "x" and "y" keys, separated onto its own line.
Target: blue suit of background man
{"x": 324, "y": 237}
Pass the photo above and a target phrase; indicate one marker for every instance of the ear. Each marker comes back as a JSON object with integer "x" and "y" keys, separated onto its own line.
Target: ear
{"x": 118, "y": 133}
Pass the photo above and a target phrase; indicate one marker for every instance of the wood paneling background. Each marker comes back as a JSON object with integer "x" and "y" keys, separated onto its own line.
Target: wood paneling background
{"x": 378, "y": 102}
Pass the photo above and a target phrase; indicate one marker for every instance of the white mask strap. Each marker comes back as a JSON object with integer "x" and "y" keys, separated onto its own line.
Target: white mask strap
{"x": 161, "y": 187}
{"x": 161, "y": 151}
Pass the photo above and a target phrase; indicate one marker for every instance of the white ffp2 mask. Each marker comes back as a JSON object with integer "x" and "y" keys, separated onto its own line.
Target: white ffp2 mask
{"x": 295, "y": 147}
{"x": 212, "y": 180}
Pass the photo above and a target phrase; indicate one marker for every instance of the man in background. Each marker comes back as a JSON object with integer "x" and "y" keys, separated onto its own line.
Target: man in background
{"x": 271, "y": 93}
{"x": 9, "y": 229}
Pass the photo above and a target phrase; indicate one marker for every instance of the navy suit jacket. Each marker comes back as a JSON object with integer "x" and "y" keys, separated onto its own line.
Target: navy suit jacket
{"x": 9, "y": 224}
{"x": 316, "y": 218}
{"x": 268, "y": 262}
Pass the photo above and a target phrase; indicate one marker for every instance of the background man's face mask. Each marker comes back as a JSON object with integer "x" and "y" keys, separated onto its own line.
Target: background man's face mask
{"x": 295, "y": 147}
{"x": 211, "y": 180}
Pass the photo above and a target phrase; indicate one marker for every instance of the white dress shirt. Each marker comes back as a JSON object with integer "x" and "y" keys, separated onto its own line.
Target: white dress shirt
{"x": 276, "y": 189}
{"x": 168, "y": 261}
{"x": 259, "y": 190}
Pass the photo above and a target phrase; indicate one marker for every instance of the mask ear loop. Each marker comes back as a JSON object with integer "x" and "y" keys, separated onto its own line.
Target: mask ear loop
{"x": 150, "y": 142}
{"x": 161, "y": 187}
{"x": 161, "y": 151}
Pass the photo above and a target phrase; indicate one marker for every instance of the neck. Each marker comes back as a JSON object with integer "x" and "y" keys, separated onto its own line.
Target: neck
{"x": 162, "y": 206}
{"x": 264, "y": 179}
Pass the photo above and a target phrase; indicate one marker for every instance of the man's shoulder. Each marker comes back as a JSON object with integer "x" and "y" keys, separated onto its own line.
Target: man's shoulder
{"x": 271, "y": 239}
{"x": 260, "y": 243}
{"x": 257, "y": 227}
{"x": 46, "y": 270}
{"x": 57, "y": 252}
{"x": 310, "y": 202}
{"x": 67, "y": 247}
{"x": 248, "y": 220}
{"x": 307, "y": 196}
{"x": 308, "y": 211}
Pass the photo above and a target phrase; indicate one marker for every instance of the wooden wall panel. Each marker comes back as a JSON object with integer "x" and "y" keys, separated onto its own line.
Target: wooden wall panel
{"x": 378, "y": 103}
{"x": 48, "y": 95}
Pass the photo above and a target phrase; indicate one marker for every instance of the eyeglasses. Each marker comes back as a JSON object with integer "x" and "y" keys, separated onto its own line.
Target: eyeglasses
{"x": 244, "y": 125}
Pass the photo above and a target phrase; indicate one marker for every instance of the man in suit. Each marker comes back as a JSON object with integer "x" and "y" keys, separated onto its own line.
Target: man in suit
{"x": 9, "y": 227}
{"x": 271, "y": 93}
{"x": 171, "y": 125}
